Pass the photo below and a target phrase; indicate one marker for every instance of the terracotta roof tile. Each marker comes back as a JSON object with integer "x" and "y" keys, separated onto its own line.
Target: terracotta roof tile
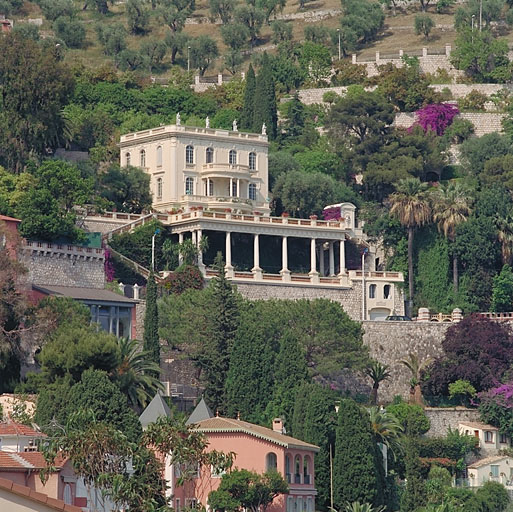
{"x": 219, "y": 425}
{"x": 478, "y": 425}
{"x": 26, "y": 460}
{"x": 17, "y": 429}
{"x": 487, "y": 460}
{"x": 39, "y": 497}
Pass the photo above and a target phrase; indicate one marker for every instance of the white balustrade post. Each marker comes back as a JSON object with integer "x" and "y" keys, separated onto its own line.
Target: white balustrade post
{"x": 136, "y": 291}
{"x": 257, "y": 271}
{"x": 285, "y": 272}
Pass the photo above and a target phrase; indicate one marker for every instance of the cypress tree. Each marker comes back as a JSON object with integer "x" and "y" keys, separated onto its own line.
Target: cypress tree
{"x": 314, "y": 421}
{"x": 355, "y": 465}
{"x": 248, "y": 109}
{"x": 215, "y": 357}
{"x": 151, "y": 342}
{"x": 290, "y": 371}
{"x": 265, "y": 100}
{"x": 414, "y": 496}
{"x": 249, "y": 382}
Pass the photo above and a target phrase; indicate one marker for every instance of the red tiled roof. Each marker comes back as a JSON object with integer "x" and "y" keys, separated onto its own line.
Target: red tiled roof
{"x": 38, "y": 497}
{"x": 17, "y": 429}
{"x": 12, "y": 219}
{"x": 26, "y": 460}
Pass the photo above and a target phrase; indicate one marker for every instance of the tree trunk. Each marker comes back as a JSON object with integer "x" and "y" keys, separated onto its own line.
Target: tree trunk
{"x": 410, "y": 262}
{"x": 455, "y": 272}
{"x": 374, "y": 394}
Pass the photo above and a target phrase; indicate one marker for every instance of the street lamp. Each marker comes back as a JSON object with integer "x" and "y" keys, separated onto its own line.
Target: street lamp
{"x": 338, "y": 30}
{"x": 480, "y": 15}
{"x": 188, "y": 59}
{"x": 364, "y": 253}
{"x": 157, "y": 231}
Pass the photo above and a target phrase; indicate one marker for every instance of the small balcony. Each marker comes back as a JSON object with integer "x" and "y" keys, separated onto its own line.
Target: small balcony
{"x": 226, "y": 171}
{"x": 223, "y": 203}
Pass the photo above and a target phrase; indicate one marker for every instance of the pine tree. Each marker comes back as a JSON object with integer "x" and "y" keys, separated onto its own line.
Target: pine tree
{"x": 314, "y": 421}
{"x": 151, "y": 342}
{"x": 414, "y": 496}
{"x": 248, "y": 109}
{"x": 215, "y": 357}
{"x": 265, "y": 100}
{"x": 355, "y": 465}
{"x": 290, "y": 371}
{"x": 249, "y": 382}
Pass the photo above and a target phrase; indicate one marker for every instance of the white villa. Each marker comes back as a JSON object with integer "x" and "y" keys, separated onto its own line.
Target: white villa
{"x": 214, "y": 180}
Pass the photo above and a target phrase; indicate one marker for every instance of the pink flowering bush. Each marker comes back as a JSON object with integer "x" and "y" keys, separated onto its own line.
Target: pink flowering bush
{"x": 436, "y": 117}
{"x": 496, "y": 407}
{"x": 108, "y": 267}
{"x": 331, "y": 214}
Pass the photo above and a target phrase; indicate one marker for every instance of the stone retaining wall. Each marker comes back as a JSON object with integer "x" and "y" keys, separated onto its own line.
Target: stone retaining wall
{"x": 443, "y": 418}
{"x": 390, "y": 342}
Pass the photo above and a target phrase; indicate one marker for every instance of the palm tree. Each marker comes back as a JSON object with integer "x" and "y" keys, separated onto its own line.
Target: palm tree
{"x": 377, "y": 373}
{"x": 356, "y": 506}
{"x": 387, "y": 429}
{"x": 136, "y": 373}
{"x": 505, "y": 236}
{"x": 410, "y": 205}
{"x": 416, "y": 366}
{"x": 451, "y": 207}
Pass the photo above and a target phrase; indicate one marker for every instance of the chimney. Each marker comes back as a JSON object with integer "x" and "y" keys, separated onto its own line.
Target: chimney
{"x": 278, "y": 425}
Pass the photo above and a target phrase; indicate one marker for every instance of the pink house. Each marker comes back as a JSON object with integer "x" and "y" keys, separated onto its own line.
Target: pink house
{"x": 257, "y": 449}
{"x": 9, "y": 233}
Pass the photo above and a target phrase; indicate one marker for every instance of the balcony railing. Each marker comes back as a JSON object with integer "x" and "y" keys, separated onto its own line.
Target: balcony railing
{"x": 289, "y": 478}
{"x": 229, "y": 169}
{"x": 297, "y": 479}
{"x": 306, "y": 479}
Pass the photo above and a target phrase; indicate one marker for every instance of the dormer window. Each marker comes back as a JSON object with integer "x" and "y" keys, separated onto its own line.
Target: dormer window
{"x": 189, "y": 154}
{"x": 232, "y": 157}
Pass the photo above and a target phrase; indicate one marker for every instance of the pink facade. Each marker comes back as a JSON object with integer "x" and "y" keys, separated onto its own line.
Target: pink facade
{"x": 9, "y": 233}
{"x": 295, "y": 462}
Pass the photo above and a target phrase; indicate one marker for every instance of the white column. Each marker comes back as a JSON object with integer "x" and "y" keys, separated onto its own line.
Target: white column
{"x": 257, "y": 271}
{"x": 180, "y": 241}
{"x": 231, "y": 187}
{"x": 193, "y": 237}
{"x": 228, "y": 266}
{"x": 321, "y": 259}
{"x": 201, "y": 265}
{"x": 342, "y": 270}
{"x": 313, "y": 264}
{"x": 332, "y": 259}
{"x": 238, "y": 187}
{"x": 285, "y": 272}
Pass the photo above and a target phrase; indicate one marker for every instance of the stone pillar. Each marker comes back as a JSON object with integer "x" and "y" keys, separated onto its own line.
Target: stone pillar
{"x": 342, "y": 270}
{"x": 321, "y": 260}
{"x": 136, "y": 291}
{"x": 196, "y": 79}
{"x": 122, "y": 288}
{"x": 353, "y": 58}
{"x": 423, "y": 315}
{"x": 238, "y": 188}
{"x": 201, "y": 265}
{"x": 285, "y": 272}
{"x": 424, "y": 52}
{"x": 257, "y": 271}
{"x": 194, "y": 239}
{"x": 219, "y": 79}
{"x": 228, "y": 266}
{"x": 230, "y": 193}
{"x": 180, "y": 241}
{"x": 448, "y": 50}
{"x": 401, "y": 53}
{"x": 377, "y": 56}
{"x": 314, "y": 275}
{"x": 457, "y": 315}
{"x": 332, "y": 259}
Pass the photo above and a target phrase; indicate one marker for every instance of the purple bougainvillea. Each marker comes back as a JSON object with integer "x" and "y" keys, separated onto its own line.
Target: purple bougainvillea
{"x": 436, "y": 117}
{"x": 331, "y": 213}
{"x": 108, "y": 267}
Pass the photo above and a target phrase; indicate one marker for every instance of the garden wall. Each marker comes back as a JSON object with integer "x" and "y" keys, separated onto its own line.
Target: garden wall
{"x": 443, "y": 418}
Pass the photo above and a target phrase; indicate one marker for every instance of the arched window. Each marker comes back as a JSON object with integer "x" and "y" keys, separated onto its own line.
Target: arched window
{"x": 288, "y": 469}
{"x": 372, "y": 291}
{"x": 252, "y": 161}
{"x": 189, "y": 154}
{"x": 386, "y": 291}
{"x": 189, "y": 186}
{"x": 307, "y": 470}
{"x": 232, "y": 157}
{"x": 159, "y": 187}
{"x": 271, "y": 462}
{"x": 252, "y": 191}
{"x": 127, "y": 159}
{"x": 159, "y": 156}
{"x": 297, "y": 470}
{"x": 142, "y": 158}
{"x": 67, "y": 495}
{"x": 209, "y": 155}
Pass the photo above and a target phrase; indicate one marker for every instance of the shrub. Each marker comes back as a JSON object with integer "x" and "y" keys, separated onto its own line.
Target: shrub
{"x": 436, "y": 117}
{"x": 462, "y": 390}
{"x": 411, "y": 417}
{"x": 493, "y": 497}
{"x": 423, "y": 25}
{"x": 72, "y": 32}
{"x": 330, "y": 97}
{"x": 474, "y": 100}
{"x": 459, "y": 131}
{"x": 184, "y": 278}
{"x": 347, "y": 73}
